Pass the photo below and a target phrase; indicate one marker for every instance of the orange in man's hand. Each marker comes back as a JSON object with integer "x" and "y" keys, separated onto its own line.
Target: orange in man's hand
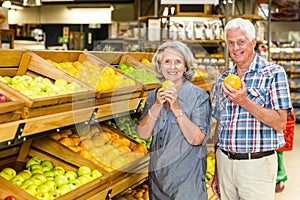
{"x": 234, "y": 81}
{"x": 169, "y": 85}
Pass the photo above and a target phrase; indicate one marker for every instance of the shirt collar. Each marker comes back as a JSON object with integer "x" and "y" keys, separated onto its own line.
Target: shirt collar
{"x": 255, "y": 65}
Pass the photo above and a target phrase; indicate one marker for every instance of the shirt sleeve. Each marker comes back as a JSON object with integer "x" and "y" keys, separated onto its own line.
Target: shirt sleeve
{"x": 280, "y": 94}
{"x": 201, "y": 115}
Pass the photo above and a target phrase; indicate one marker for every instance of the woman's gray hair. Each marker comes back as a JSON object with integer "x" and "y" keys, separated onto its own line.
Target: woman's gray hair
{"x": 243, "y": 24}
{"x": 189, "y": 60}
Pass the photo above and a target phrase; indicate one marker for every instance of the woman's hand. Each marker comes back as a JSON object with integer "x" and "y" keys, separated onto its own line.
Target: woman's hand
{"x": 215, "y": 185}
{"x": 171, "y": 97}
{"x": 160, "y": 96}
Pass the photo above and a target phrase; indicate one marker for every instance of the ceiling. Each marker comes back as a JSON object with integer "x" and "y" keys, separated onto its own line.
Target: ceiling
{"x": 59, "y": 2}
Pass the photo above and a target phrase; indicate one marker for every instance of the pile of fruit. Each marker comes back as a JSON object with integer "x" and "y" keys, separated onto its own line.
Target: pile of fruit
{"x": 210, "y": 170}
{"x": 142, "y": 75}
{"x": 101, "y": 79}
{"x": 107, "y": 149}
{"x": 127, "y": 125}
{"x": 139, "y": 193}
{"x": 43, "y": 180}
{"x": 147, "y": 62}
{"x": 39, "y": 87}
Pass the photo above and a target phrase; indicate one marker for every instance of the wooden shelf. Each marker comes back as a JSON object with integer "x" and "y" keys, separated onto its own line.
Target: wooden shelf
{"x": 23, "y": 129}
{"x": 144, "y": 18}
{"x": 254, "y": 17}
{"x": 10, "y": 33}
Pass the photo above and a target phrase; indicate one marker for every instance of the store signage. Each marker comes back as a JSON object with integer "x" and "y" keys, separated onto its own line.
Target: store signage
{"x": 189, "y": 2}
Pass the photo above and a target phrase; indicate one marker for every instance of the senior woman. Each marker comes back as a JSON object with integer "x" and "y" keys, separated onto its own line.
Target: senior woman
{"x": 179, "y": 121}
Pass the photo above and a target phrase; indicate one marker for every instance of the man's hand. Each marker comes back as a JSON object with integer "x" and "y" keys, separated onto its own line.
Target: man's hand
{"x": 236, "y": 96}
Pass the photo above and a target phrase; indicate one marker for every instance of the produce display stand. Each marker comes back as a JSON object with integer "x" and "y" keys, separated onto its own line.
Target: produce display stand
{"x": 24, "y": 136}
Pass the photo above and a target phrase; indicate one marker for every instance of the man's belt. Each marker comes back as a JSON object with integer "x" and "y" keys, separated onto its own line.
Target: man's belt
{"x": 247, "y": 156}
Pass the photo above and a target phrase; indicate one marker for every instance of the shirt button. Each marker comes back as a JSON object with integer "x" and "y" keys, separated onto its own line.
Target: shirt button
{"x": 160, "y": 137}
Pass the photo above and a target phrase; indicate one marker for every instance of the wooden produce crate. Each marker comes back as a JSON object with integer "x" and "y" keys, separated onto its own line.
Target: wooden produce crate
{"x": 103, "y": 97}
{"x": 129, "y": 60}
{"x": 32, "y": 65}
{"x": 104, "y": 145}
{"x": 10, "y": 110}
{"x": 141, "y": 55}
{"x": 112, "y": 58}
{"x": 16, "y": 157}
{"x": 120, "y": 178}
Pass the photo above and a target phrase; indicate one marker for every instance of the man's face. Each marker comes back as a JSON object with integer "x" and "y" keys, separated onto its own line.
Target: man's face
{"x": 241, "y": 50}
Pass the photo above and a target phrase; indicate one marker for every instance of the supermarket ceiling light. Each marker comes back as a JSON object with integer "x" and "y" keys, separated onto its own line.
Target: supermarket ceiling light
{"x": 9, "y": 5}
{"x": 56, "y": 0}
{"x": 6, "y": 4}
{"x": 32, "y": 3}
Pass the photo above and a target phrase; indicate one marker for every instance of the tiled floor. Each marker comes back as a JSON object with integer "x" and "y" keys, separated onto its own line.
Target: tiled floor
{"x": 291, "y": 160}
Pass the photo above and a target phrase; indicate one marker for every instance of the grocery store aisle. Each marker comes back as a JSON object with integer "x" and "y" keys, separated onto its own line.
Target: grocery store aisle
{"x": 291, "y": 160}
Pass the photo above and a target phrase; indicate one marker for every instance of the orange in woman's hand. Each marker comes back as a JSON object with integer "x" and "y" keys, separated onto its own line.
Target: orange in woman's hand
{"x": 169, "y": 85}
{"x": 234, "y": 81}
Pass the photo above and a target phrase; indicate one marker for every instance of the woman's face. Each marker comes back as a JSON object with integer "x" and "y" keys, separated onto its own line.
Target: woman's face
{"x": 172, "y": 65}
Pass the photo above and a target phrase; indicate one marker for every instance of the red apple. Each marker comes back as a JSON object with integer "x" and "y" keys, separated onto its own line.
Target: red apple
{"x": 3, "y": 98}
{"x": 10, "y": 198}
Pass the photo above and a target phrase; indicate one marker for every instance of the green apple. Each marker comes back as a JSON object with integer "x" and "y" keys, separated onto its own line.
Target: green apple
{"x": 35, "y": 166}
{"x": 32, "y": 189}
{"x": 2, "y": 79}
{"x": 33, "y": 160}
{"x": 54, "y": 194}
{"x": 75, "y": 183}
{"x": 26, "y": 183}
{"x": 60, "y": 180}
{"x": 17, "y": 79}
{"x": 49, "y": 174}
{"x": 39, "y": 178}
{"x": 43, "y": 196}
{"x": 51, "y": 184}
{"x": 58, "y": 170}
{"x": 60, "y": 82}
{"x": 47, "y": 163}
{"x": 39, "y": 79}
{"x": 10, "y": 171}
{"x": 71, "y": 175}
{"x": 64, "y": 189}
{"x": 96, "y": 174}
{"x": 84, "y": 170}
{"x": 5, "y": 175}
{"x": 44, "y": 188}
{"x": 37, "y": 171}
{"x": 27, "y": 78}
{"x": 7, "y": 80}
{"x": 25, "y": 173}
{"x": 17, "y": 180}
{"x": 84, "y": 179}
